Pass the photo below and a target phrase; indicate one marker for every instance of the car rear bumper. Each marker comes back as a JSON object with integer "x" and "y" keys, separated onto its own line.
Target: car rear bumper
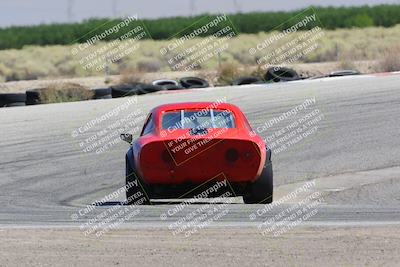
{"x": 238, "y": 161}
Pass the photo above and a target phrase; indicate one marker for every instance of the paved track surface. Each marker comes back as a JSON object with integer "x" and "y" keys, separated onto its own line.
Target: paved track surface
{"x": 352, "y": 156}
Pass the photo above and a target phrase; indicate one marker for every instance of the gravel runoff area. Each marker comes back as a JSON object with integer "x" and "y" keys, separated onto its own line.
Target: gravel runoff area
{"x": 304, "y": 246}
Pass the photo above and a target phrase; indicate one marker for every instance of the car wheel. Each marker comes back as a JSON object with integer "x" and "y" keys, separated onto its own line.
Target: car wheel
{"x": 135, "y": 190}
{"x": 261, "y": 191}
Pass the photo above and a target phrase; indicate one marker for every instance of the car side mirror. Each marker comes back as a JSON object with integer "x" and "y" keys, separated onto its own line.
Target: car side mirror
{"x": 126, "y": 137}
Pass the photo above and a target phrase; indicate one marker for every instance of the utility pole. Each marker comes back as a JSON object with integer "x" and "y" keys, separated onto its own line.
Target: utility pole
{"x": 236, "y": 6}
{"x": 70, "y": 15}
{"x": 114, "y": 8}
{"x": 192, "y": 7}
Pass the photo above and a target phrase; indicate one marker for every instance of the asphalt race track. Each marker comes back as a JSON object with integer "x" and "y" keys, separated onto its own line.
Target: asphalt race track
{"x": 353, "y": 155}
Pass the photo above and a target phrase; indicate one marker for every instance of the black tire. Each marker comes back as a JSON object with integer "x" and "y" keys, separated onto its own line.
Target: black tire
{"x": 15, "y": 104}
{"x": 33, "y": 97}
{"x": 247, "y": 80}
{"x": 133, "y": 89}
{"x": 172, "y": 87}
{"x": 281, "y": 74}
{"x": 132, "y": 191}
{"x": 340, "y": 73}
{"x": 193, "y": 82}
{"x": 124, "y": 90}
{"x": 103, "y": 97}
{"x": 149, "y": 88}
{"x": 163, "y": 82}
{"x": 102, "y": 93}
{"x": 11, "y": 100}
{"x": 261, "y": 191}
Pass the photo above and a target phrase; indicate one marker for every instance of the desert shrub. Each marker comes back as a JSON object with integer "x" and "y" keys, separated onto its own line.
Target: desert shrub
{"x": 390, "y": 60}
{"x": 243, "y": 57}
{"x": 258, "y": 72}
{"x": 56, "y": 61}
{"x": 346, "y": 65}
{"x": 149, "y": 65}
{"x": 4, "y": 72}
{"x": 65, "y": 92}
{"x": 230, "y": 71}
{"x": 131, "y": 76}
{"x": 227, "y": 73}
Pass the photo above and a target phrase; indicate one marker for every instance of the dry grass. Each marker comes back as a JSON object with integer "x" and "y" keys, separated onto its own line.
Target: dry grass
{"x": 391, "y": 60}
{"x": 35, "y": 62}
{"x": 346, "y": 65}
{"x": 65, "y": 92}
{"x": 227, "y": 73}
{"x": 230, "y": 71}
{"x": 132, "y": 76}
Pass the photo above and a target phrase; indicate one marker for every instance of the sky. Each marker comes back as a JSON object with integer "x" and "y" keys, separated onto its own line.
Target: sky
{"x": 30, "y": 12}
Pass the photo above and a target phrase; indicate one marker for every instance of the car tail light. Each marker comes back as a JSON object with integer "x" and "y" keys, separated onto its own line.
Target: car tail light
{"x": 231, "y": 155}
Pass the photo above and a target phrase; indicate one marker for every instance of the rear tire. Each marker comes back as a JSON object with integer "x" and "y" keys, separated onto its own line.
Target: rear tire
{"x": 134, "y": 192}
{"x": 261, "y": 191}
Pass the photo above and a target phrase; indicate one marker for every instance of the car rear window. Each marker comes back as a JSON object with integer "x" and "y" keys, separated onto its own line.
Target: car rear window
{"x": 188, "y": 119}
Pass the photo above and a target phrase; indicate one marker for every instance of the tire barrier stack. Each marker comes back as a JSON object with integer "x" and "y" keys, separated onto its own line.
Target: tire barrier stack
{"x": 168, "y": 84}
{"x": 12, "y": 100}
{"x": 273, "y": 74}
{"x": 123, "y": 90}
{"x": 281, "y": 74}
{"x": 340, "y": 73}
{"x": 33, "y": 97}
{"x": 193, "y": 82}
{"x": 247, "y": 80}
{"x": 102, "y": 93}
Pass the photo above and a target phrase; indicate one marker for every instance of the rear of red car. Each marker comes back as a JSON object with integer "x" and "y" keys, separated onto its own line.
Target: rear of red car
{"x": 194, "y": 145}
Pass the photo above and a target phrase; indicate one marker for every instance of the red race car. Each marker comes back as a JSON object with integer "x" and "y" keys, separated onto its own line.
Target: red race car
{"x": 185, "y": 146}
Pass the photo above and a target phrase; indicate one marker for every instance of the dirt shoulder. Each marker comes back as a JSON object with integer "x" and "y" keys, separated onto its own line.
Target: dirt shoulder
{"x": 303, "y": 246}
